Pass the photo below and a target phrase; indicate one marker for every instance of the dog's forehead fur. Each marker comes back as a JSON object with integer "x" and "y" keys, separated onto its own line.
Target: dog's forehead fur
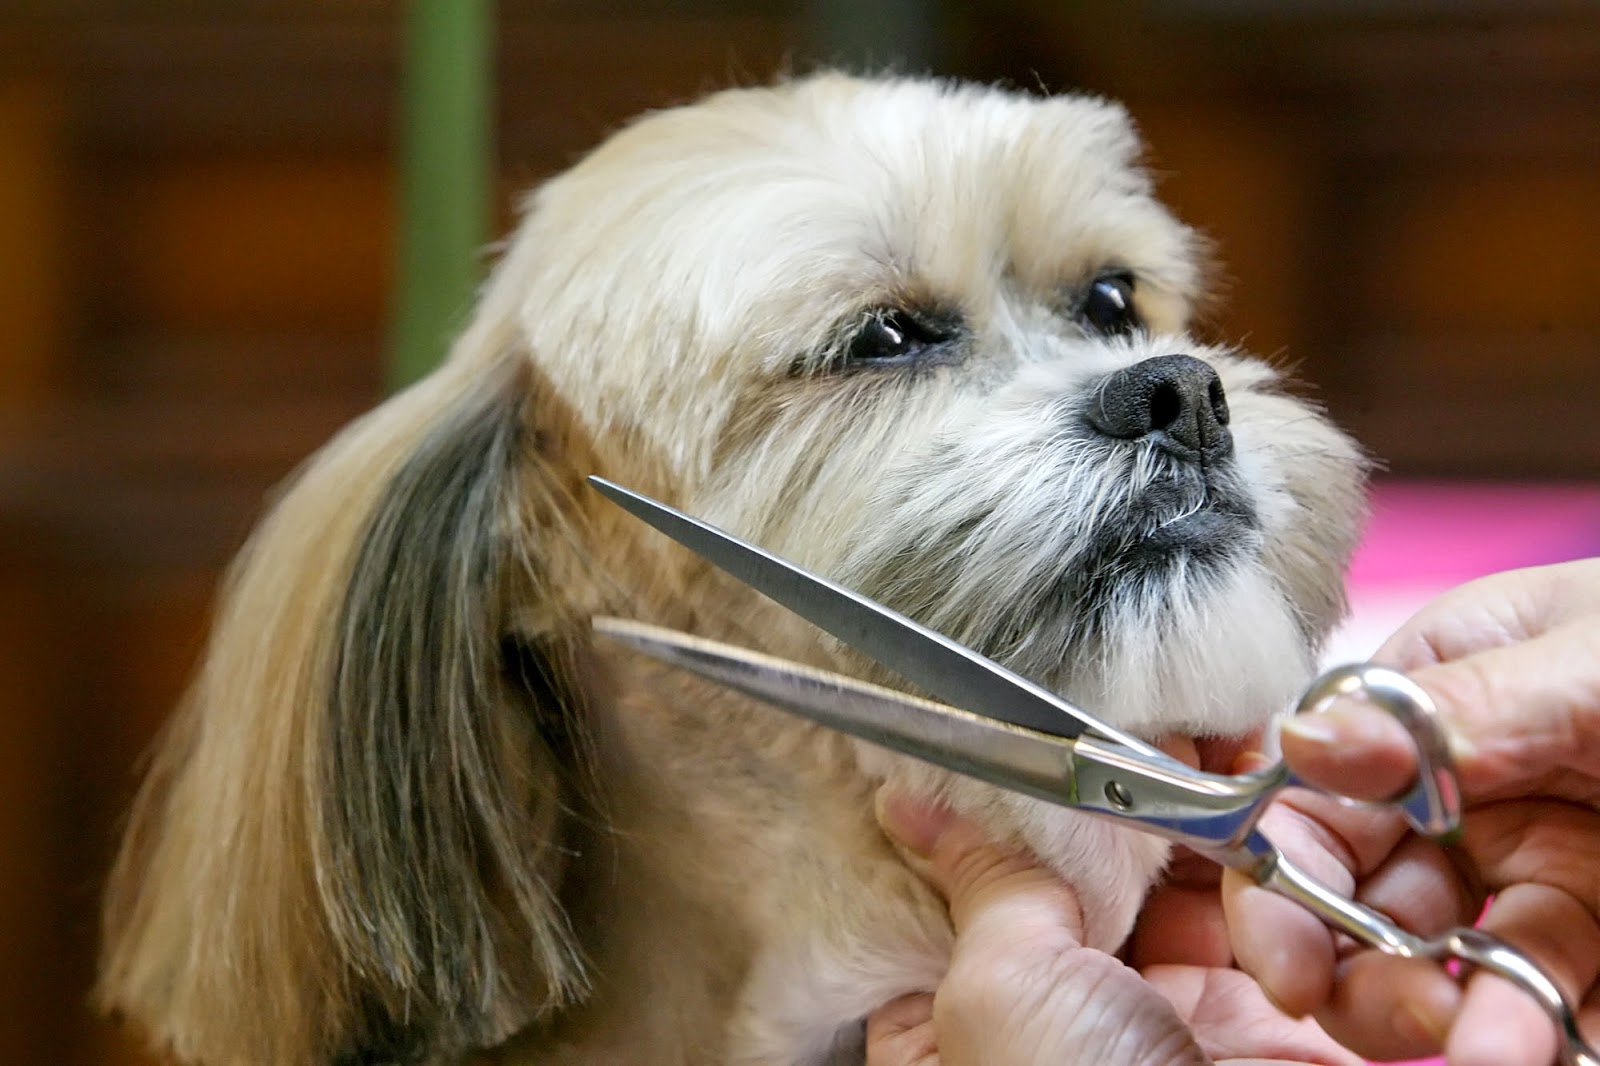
{"x": 730, "y": 238}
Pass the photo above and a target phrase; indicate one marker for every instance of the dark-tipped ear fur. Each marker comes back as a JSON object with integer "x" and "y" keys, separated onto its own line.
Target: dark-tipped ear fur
{"x": 453, "y": 750}
{"x": 351, "y": 844}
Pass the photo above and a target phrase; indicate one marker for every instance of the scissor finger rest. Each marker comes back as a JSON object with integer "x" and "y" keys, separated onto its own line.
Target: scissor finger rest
{"x": 1433, "y": 804}
{"x": 1433, "y": 807}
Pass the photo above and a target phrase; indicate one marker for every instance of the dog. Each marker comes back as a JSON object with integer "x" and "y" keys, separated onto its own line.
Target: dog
{"x": 928, "y": 339}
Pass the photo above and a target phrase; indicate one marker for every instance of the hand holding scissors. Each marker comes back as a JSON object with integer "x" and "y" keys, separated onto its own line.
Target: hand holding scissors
{"x": 1510, "y": 660}
{"x": 1000, "y": 728}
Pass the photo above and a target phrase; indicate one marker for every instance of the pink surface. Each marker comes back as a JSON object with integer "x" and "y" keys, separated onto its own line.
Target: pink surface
{"x": 1440, "y": 532}
{"x": 1425, "y": 537}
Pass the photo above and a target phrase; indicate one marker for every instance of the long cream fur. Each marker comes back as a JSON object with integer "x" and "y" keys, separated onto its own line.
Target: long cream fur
{"x": 413, "y": 811}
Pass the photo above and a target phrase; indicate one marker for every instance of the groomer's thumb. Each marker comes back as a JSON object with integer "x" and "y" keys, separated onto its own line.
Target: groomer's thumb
{"x": 997, "y": 897}
{"x": 1351, "y": 748}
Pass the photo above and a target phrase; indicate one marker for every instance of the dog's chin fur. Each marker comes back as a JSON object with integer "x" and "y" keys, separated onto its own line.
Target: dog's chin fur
{"x": 414, "y": 811}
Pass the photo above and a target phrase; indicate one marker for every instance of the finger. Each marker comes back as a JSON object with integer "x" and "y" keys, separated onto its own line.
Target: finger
{"x": 1230, "y": 1017}
{"x": 1589, "y": 1018}
{"x": 1519, "y": 712}
{"x": 1490, "y": 612}
{"x": 901, "y": 1033}
{"x": 1351, "y": 748}
{"x": 997, "y": 897}
{"x": 1421, "y": 886}
{"x": 1513, "y": 715}
{"x": 1181, "y": 922}
{"x": 1545, "y": 842}
{"x": 1391, "y": 1008}
{"x": 1275, "y": 939}
{"x": 1181, "y": 925}
{"x": 1002, "y": 898}
{"x": 1384, "y": 1007}
{"x": 1498, "y": 1023}
{"x": 1394, "y": 1008}
{"x": 1494, "y": 611}
{"x": 1279, "y": 943}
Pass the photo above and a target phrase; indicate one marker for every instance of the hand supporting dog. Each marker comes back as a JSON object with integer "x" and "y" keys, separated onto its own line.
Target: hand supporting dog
{"x": 1022, "y": 990}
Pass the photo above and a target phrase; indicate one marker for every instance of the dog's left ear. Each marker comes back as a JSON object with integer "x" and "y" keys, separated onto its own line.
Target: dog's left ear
{"x": 353, "y": 843}
{"x": 458, "y": 749}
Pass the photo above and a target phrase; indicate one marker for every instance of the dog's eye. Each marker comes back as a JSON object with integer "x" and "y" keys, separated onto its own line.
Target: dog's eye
{"x": 892, "y": 336}
{"x": 1108, "y": 306}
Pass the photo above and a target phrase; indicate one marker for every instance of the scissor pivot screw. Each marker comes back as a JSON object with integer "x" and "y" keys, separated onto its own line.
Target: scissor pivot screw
{"x": 1119, "y": 795}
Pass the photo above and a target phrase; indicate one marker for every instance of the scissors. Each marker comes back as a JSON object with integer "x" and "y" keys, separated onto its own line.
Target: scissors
{"x": 1005, "y": 730}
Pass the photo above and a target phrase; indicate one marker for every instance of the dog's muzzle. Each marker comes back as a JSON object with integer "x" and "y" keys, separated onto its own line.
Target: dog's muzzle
{"x": 1176, "y": 402}
{"x": 1191, "y": 505}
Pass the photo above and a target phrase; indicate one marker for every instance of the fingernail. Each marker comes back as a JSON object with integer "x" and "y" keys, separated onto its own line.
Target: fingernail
{"x": 1461, "y": 747}
{"x": 1412, "y": 1023}
{"x": 915, "y": 825}
{"x": 1315, "y": 727}
{"x": 1342, "y": 722}
{"x": 1248, "y": 762}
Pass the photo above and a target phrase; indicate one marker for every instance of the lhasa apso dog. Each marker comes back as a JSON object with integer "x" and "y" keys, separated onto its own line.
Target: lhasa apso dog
{"x": 927, "y": 339}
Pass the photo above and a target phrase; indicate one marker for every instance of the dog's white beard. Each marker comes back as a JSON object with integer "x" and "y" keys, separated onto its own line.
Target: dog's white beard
{"x": 1217, "y": 658}
{"x": 1044, "y": 551}
{"x": 1210, "y": 655}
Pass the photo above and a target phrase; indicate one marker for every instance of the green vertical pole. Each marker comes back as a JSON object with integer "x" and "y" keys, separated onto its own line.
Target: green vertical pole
{"x": 446, "y": 177}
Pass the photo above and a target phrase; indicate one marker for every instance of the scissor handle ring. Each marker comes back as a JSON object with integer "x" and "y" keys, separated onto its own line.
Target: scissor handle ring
{"x": 1433, "y": 803}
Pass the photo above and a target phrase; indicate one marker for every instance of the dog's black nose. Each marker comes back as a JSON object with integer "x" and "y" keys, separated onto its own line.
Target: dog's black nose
{"x": 1177, "y": 400}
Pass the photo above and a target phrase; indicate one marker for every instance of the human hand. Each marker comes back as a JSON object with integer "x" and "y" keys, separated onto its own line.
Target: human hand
{"x": 1022, "y": 990}
{"x": 1513, "y": 662}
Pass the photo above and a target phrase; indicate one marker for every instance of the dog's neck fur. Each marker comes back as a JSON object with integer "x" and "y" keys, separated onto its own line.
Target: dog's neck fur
{"x": 698, "y": 852}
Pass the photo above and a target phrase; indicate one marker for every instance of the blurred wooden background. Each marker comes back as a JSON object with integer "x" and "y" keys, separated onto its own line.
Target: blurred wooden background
{"x": 196, "y": 210}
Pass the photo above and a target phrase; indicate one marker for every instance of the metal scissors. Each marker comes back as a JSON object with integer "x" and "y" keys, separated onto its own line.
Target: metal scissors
{"x": 1003, "y": 729}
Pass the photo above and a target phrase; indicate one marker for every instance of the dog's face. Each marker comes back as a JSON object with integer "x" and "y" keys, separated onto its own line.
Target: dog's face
{"x": 931, "y": 341}
{"x": 928, "y": 340}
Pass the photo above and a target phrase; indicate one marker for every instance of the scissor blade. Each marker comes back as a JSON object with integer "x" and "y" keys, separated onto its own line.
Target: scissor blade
{"x": 1003, "y": 755}
{"x": 937, "y": 664}
{"x": 1210, "y": 813}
